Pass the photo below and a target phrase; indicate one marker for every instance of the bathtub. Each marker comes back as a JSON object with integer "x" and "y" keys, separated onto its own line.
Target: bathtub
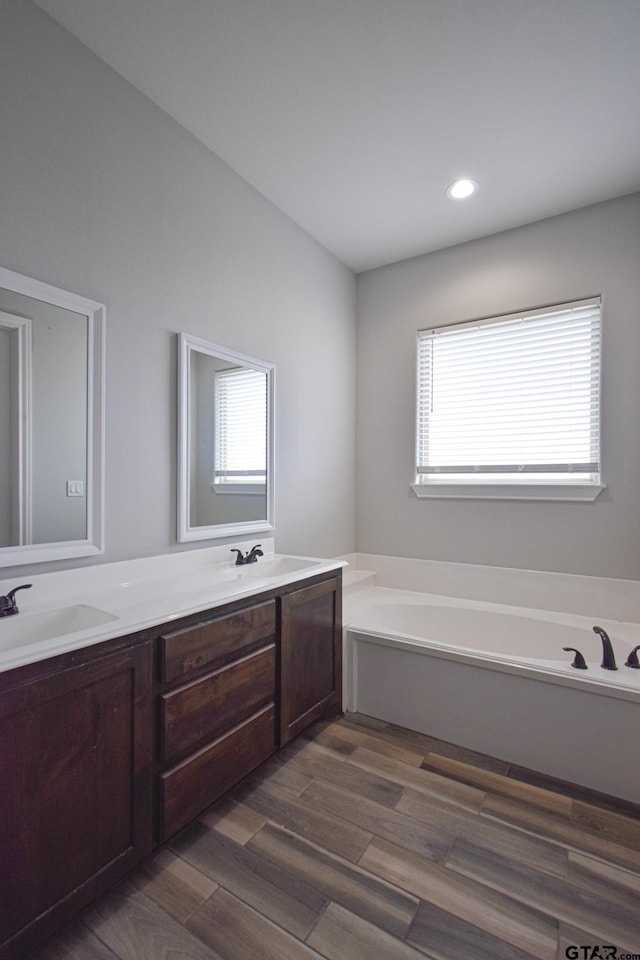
{"x": 494, "y": 678}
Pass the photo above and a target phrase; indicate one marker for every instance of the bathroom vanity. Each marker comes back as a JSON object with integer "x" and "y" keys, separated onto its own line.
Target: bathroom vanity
{"x": 109, "y": 749}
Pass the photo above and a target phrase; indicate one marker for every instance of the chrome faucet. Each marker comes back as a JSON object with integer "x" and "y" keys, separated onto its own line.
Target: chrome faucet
{"x": 608, "y": 658}
{"x": 8, "y": 605}
{"x": 250, "y": 557}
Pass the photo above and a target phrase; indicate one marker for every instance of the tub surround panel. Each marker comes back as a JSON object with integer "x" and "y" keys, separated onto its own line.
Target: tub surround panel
{"x": 562, "y": 732}
{"x": 567, "y": 593}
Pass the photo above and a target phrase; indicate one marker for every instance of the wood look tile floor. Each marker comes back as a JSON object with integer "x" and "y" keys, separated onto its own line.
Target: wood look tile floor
{"x": 362, "y": 841}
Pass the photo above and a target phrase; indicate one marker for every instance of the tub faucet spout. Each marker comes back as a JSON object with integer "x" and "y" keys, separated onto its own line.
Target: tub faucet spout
{"x": 608, "y": 658}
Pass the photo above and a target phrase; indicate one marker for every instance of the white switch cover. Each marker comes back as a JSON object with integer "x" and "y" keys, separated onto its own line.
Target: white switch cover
{"x": 75, "y": 488}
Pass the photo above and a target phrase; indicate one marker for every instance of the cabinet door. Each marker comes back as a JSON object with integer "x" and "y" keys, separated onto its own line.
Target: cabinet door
{"x": 311, "y": 656}
{"x": 75, "y": 795}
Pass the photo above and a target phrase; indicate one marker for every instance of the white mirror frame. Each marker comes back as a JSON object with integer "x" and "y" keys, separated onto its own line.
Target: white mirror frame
{"x": 95, "y": 313}
{"x": 187, "y": 344}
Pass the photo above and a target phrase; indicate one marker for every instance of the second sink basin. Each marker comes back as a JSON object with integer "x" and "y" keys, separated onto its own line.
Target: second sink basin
{"x": 27, "y": 628}
{"x": 276, "y": 567}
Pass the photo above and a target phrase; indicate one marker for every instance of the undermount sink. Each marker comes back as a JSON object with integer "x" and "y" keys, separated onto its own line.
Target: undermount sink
{"x": 27, "y": 628}
{"x": 277, "y": 567}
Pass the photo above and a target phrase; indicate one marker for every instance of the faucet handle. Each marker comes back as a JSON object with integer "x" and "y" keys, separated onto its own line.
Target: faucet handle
{"x": 578, "y": 660}
{"x": 23, "y": 586}
{"x": 8, "y": 605}
{"x": 632, "y": 659}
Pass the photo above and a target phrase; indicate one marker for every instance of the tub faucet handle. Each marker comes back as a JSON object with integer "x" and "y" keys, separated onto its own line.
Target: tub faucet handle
{"x": 632, "y": 659}
{"x": 578, "y": 660}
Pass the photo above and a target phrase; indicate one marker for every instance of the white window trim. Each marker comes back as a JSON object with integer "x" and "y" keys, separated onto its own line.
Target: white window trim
{"x": 518, "y": 491}
{"x": 584, "y": 492}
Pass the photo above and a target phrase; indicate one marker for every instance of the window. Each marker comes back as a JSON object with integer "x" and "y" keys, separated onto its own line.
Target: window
{"x": 240, "y": 457}
{"x": 510, "y": 406}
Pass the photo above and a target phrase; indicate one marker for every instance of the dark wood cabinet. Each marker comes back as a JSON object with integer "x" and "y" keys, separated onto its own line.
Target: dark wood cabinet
{"x": 108, "y": 751}
{"x": 75, "y": 787}
{"x": 310, "y": 656}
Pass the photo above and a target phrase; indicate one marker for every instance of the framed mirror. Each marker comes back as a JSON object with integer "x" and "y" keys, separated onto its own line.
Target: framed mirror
{"x": 225, "y": 441}
{"x": 51, "y": 422}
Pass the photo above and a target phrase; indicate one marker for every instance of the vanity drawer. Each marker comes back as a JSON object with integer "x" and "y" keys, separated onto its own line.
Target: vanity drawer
{"x": 215, "y": 642}
{"x": 191, "y": 786}
{"x": 204, "y": 709}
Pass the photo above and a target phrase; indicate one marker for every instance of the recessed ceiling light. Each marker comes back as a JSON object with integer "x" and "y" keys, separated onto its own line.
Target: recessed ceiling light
{"x": 462, "y": 189}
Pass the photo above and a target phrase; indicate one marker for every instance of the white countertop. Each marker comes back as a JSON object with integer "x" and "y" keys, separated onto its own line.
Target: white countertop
{"x": 70, "y": 609}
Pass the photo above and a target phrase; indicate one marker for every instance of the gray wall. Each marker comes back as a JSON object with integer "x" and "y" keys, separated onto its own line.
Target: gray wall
{"x": 103, "y": 194}
{"x": 594, "y": 250}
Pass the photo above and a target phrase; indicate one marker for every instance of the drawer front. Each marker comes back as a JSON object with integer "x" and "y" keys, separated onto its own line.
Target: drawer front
{"x": 203, "y": 710}
{"x": 212, "y": 644}
{"x": 191, "y": 786}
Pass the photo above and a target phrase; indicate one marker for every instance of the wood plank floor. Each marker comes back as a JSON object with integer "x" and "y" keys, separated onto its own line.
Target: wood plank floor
{"x": 362, "y": 841}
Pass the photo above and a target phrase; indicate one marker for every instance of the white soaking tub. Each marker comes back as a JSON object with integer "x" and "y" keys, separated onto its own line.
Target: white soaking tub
{"x": 494, "y": 678}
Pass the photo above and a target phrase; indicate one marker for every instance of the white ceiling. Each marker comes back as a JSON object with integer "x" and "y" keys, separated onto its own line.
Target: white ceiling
{"x": 353, "y": 116}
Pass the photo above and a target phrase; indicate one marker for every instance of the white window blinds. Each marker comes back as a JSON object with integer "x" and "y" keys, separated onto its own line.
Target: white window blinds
{"x": 240, "y": 418}
{"x": 512, "y": 399}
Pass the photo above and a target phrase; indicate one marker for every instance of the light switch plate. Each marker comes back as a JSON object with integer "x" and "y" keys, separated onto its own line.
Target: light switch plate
{"x": 75, "y": 488}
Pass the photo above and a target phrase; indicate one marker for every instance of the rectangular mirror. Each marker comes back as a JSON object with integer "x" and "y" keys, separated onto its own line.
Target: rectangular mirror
{"x": 51, "y": 422}
{"x": 225, "y": 442}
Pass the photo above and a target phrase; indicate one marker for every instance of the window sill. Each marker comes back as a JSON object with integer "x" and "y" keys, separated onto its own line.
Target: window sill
{"x": 244, "y": 489}
{"x": 582, "y": 492}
